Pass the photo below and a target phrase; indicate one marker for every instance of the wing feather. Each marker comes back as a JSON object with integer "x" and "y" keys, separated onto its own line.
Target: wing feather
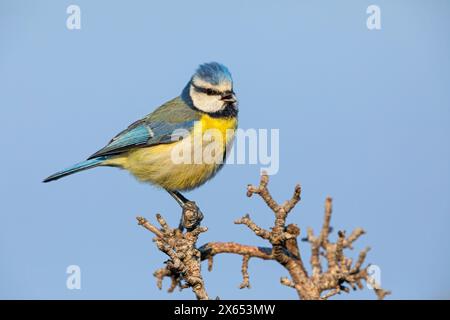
{"x": 156, "y": 128}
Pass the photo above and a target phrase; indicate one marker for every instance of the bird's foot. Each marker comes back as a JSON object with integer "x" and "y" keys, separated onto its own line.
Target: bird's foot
{"x": 191, "y": 216}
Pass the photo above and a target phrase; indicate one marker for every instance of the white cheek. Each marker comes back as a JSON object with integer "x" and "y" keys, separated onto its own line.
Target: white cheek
{"x": 206, "y": 103}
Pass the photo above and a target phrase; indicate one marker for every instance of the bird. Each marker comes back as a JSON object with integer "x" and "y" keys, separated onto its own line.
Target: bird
{"x": 147, "y": 147}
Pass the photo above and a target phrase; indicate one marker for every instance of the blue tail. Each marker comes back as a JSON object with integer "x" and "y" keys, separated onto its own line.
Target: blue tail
{"x": 88, "y": 164}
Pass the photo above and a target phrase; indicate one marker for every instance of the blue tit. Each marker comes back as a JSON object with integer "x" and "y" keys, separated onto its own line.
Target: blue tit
{"x": 147, "y": 147}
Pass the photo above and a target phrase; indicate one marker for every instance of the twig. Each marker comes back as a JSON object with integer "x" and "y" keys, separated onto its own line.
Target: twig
{"x": 184, "y": 258}
{"x": 285, "y": 250}
{"x": 184, "y": 269}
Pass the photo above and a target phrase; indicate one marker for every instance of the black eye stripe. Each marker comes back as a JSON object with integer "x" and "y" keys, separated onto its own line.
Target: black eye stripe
{"x": 208, "y": 91}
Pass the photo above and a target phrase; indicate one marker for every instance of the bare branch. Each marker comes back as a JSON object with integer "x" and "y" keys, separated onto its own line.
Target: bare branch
{"x": 263, "y": 192}
{"x": 290, "y": 204}
{"x": 260, "y": 232}
{"x": 360, "y": 261}
{"x": 326, "y": 222}
{"x": 147, "y": 225}
{"x": 245, "y": 282}
{"x": 213, "y": 248}
{"x": 353, "y": 237}
{"x": 184, "y": 269}
{"x": 184, "y": 262}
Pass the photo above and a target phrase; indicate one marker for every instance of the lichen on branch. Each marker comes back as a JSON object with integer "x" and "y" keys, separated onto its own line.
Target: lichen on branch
{"x": 319, "y": 282}
{"x": 184, "y": 264}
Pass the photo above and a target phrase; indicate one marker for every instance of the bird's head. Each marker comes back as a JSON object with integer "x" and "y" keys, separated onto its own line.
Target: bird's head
{"x": 211, "y": 90}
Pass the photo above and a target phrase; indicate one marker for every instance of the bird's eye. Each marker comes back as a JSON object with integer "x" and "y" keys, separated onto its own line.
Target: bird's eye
{"x": 209, "y": 92}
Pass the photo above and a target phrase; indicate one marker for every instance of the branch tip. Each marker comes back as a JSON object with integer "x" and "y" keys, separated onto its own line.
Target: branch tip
{"x": 184, "y": 269}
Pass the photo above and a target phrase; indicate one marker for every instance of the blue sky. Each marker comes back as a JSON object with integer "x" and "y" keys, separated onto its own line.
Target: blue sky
{"x": 363, "y": 116}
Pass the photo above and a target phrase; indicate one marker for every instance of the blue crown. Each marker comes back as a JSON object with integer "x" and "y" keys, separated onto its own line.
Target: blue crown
{"x": 213, "y": 73}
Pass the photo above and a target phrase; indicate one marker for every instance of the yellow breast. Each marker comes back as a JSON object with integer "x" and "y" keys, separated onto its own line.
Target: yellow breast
{"x": 160, "y": 166}
{"x": 221, "y": 124}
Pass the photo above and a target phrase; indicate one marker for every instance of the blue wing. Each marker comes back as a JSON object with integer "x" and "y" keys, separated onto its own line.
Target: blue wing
{"x": 145, "y": 134}
{"x": 156, "y": 128}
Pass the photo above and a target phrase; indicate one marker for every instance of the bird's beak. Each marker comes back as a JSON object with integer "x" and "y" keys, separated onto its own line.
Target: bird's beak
{"x": 229, "y": 98}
